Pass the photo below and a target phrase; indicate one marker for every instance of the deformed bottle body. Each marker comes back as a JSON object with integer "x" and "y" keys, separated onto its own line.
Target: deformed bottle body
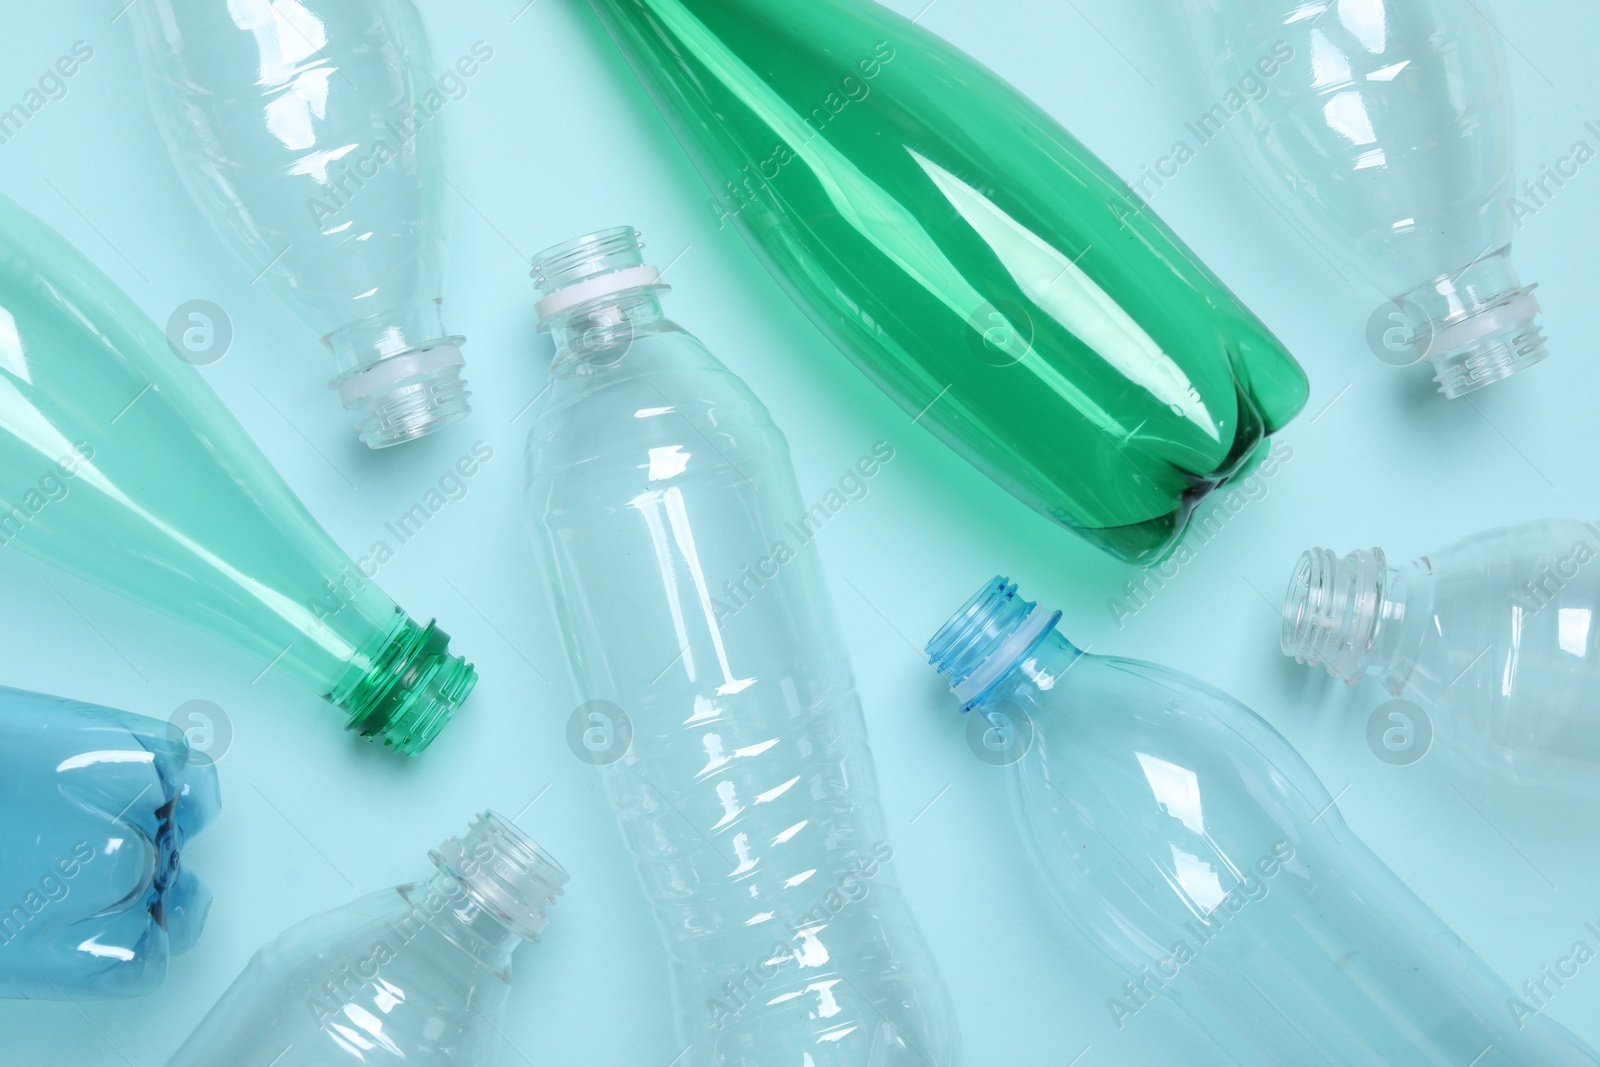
{"x": 1494, "y": 638}
{"x": 118, "y": 464}
{"x": 99, "y": 804}
{"x": 311, "y": 137}
{"x": 1384, "y": 127}
{"x": 413, "y": 975}
{"x": 679, "y": 554}
{"x": 978, "y": 263}
{"x": 1186, "y": 838}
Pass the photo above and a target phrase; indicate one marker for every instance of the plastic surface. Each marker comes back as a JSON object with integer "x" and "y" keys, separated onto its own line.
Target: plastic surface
{"x": 1493, "y": 638}
{"x": 118, "y": 464}
{"x": 995, "y": 278}
{"x": 1188, "y": 841}
{"x": 98, "y": 806}
{"x": 310, "y": 135}
{"x": 722, "y": 707}
{"x": 415, "y": 975}
{"x": 1385, "y": 128}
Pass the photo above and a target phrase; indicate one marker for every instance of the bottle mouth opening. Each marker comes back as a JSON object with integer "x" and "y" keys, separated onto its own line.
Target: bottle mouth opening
{"x": 987, "y": 638}
{"x": 506, "y": 871}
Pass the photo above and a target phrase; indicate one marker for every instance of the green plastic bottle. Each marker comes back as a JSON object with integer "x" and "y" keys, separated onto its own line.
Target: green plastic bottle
{"x": 981, "y": 265}
{"x": 118, "y": 464}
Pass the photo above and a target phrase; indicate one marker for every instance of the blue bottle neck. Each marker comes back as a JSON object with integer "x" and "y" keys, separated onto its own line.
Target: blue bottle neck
{"x": 986, "y": 645}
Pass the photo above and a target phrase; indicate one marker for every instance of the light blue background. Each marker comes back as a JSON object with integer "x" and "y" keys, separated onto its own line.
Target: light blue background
{"x": 555, "y": 139}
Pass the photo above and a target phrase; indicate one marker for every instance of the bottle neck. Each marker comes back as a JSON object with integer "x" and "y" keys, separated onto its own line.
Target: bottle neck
{"x": 1348, "y": 614}
{"x": 489, "y": 892}
{"x": 997, "y": 641}
{"x": 602, "y": 333}
{"x": 399, "y": 374}
{"x": 1479, "y": 324}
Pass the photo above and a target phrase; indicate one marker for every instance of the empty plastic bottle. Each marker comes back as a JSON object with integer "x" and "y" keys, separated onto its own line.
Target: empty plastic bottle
{"x": 1494, "y": 639}
{"x": 995, "y": 278}
{"x": 310, "y": 134}
{"x": 721, "y": 702}
{"x": 118, "y": 464}
{"x": 1186, "y": 839}
{"x": 414, "y": 975}
{"x": 98, "y": 807}
{"x": 1384, "y": 128}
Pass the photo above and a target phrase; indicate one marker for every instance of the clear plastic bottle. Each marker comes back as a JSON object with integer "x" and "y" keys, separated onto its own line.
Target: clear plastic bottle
{"x": 98, "y": 806}
{"x": 119, "y": 465}
{"x": 1384, "y": 127}
{"x": 417, "y": 974}
{"x": 677, "y": 547}
{"x": 310, "y": 135}
{"x": 1493, "y": 638}
{"x": 1186, "y": 838}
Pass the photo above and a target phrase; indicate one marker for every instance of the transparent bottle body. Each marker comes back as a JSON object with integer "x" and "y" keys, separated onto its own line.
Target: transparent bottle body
{"x": 380, "y": 981}
{"x": 99, "y": 804}
{"x": 310, "y": 136}
{"x": 1384, "y": 128}
{"x": 658, "y": 486}
{"x": 119, "y": 465}
{"x": 976, "y": 261}
{"x": 1188, "y": 841}
{"x": 1495, "y": 639}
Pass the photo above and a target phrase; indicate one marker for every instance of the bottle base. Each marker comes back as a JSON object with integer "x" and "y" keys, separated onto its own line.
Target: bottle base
{"x": 412, "y": 689}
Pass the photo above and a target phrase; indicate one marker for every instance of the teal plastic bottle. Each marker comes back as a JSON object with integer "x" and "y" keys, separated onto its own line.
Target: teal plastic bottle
{"x": 98, "y": 805}
{"x": 120, "y": 465}
{"x": 1185, "y": 837}
{"x": 416, "y": 975}
{"x": 1002, "y": 284}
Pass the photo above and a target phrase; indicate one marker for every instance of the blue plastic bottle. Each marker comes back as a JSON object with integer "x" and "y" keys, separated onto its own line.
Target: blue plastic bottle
{"x": 1187, "y": 839}
{"x": 98, "y": 804}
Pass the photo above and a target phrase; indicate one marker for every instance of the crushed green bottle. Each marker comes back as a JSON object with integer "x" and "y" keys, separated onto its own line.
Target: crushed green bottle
{"x": 983, "y": 267}
{"x": 119, "y": 464}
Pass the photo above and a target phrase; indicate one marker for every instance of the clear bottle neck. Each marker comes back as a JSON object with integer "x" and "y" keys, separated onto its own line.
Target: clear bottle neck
{"x": 597, "y": 298}
{"x": 489, "y": 892}
{"x": 399, "y": 374}
{"x": 996, "y": 642}
{"x": 1350, "y": 614}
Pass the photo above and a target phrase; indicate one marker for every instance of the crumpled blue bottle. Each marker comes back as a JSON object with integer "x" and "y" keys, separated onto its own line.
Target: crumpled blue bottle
{"x": 1186, "y": 839}
{"x": 98, "y": 805}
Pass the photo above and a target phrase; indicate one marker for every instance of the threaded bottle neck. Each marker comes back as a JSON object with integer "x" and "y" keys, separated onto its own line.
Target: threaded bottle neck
{"x": 503, "y": 875}
{"x": 985, "y": 641}
{"x": 1336, "y": 607}
{"x": 1480, "y": 325}
{"x": 408, "y": 687}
